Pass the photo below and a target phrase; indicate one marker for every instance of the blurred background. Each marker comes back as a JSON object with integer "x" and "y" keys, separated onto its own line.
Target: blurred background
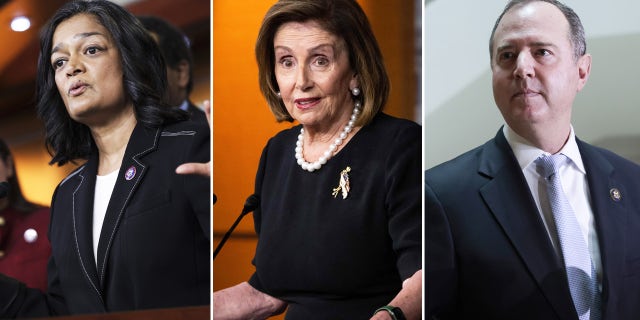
{"x": 243, "y": 123}
{"x": 459, "y": 111}
{"x": 19, "y": 126}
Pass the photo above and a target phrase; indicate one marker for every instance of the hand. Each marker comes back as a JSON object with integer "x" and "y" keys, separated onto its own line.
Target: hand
{"x": 203, "y": 169}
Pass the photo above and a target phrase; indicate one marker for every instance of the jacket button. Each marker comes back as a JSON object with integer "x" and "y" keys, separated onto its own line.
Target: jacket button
{"x": 2, "y": 221}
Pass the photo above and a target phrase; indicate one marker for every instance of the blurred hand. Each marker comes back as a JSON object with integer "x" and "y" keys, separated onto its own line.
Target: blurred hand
{"x": 203, "y": 169}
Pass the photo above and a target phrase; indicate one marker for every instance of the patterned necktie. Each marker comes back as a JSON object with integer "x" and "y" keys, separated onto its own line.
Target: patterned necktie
{"x": 577, "y": 259}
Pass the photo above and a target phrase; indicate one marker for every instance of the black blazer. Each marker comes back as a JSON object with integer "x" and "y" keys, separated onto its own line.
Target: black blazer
{"x": 154, "y": 249}
{"x": 489, "y": 256}
{"x": 196, "y": 113}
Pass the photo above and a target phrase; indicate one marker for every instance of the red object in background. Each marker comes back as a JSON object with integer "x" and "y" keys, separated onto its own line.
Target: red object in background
{"x": 24, "y": 254}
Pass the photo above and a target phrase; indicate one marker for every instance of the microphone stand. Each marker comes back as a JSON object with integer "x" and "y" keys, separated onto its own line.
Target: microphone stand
{"x": 250, "y": 204}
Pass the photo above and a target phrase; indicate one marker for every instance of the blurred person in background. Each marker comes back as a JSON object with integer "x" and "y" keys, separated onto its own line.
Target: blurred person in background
{"x": 24, "y": 247}
{"x": 177, "y": 55}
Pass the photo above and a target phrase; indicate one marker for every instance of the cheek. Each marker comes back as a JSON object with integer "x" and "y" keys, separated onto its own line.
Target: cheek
{"x": 284, "y": 81}
{"x": 59, "y": 84}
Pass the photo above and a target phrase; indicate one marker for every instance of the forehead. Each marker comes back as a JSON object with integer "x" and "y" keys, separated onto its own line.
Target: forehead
{"x": 302, "y": 33}
{"x": 76, "y": 26}
{"x": 534, "y": 20}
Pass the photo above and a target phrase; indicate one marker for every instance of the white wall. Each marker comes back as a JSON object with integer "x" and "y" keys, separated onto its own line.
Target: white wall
{"x": 459, "y": 111}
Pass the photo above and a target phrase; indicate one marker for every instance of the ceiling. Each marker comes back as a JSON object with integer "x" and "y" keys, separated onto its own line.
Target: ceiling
{"x": 19, "y": 50}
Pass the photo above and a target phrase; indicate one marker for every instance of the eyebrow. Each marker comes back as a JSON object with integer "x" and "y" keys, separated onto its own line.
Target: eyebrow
{"x": 320, "y": 46}
{"x": 531, "y": 44}
{"x": 79, "y": 35}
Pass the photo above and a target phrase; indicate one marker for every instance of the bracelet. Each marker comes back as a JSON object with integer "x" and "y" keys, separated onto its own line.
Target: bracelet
{"x": 394, "y": 312}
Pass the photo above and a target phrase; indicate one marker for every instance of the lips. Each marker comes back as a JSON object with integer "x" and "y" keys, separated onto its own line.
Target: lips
{"x": 77, "y": 88}
{"x": 306, "y": 103}
{"x": 526, "y": 93}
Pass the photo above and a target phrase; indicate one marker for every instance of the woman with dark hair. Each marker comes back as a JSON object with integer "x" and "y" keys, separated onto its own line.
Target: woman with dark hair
{"x": 339, "y": 219}
{"x": 24, "y": 248}
{"x": 126, "y": 231}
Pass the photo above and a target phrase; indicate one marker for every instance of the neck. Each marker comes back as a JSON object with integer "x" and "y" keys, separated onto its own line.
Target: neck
{"x": 317, "y": 139}
{"x": 550, "y": 140}
{"x": 111, "y": 140}
{"x": 332, "y": 141}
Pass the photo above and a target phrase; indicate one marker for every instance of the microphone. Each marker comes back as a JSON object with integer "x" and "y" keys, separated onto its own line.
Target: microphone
{"x": 4, "y": 189}
{"x": 250, "y": 204}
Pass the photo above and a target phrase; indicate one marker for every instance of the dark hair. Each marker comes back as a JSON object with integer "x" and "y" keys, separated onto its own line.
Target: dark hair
{"x": 173, "y": 44}
{"x": 342, "y": 18}
{"x": 15, "y": 196}
{"x": 576, "y": 30}
{"x": 144, "y": 79}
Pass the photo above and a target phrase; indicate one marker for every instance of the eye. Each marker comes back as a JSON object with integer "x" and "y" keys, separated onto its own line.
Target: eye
{"x": 286, "y": 62}
{"x": 57, "y": 63}
{"x": 543, "y": 52}
{"x": 321, "y": 61}
{"x": 92, "y": 50}
{"x": 506, "y": 55}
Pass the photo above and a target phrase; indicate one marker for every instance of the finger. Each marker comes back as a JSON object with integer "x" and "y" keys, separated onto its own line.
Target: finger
{"x": 203, "y": 169}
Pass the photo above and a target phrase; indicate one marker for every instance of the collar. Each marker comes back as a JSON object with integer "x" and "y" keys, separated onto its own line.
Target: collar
{"x": 526, "y": 153}
{"x": 184, "y": 105}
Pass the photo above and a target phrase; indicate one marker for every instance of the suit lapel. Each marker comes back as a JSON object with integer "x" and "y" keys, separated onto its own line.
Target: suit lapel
{"x": 610, "y": 217}
{"x": 131, "y": 173}
{"x": 509, "y": 199}
{"x": 82, "y": 212}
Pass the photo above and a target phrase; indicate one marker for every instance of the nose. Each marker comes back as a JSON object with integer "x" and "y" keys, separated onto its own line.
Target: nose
{"x": 524, "y": 66}
{"x": 303, "y": 79}
{"x": 73, "y": 67}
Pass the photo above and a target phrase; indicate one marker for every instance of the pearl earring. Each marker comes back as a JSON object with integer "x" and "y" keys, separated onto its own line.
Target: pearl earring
{"x": 355, "y": 91}
{"x": 278, "y": 93}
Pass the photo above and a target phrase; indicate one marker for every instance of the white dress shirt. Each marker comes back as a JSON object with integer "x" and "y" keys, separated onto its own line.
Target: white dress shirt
{"x": 574, "y": 183}
{"x": 101, "y": 197}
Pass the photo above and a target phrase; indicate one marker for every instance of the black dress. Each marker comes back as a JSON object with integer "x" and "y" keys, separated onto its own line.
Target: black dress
{"x": 335, "y": 258}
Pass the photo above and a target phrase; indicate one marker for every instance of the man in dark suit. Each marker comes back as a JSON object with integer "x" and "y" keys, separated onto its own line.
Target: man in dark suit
{"x": 495, "y": 248}
{"x": 177, "y": 55}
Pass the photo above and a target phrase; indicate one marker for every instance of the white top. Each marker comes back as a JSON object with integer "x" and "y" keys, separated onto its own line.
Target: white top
{"x": 574, "y": 183}
{"x": 101, "y": 196}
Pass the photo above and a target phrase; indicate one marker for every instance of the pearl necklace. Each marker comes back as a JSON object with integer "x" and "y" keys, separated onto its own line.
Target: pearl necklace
{"x": 312, "y": 166}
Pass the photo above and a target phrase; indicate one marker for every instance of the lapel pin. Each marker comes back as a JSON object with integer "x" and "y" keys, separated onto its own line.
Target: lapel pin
{"x": 130, "y": 173}
{"x": 615, "y": 194}
{"x": 343, "y": 184}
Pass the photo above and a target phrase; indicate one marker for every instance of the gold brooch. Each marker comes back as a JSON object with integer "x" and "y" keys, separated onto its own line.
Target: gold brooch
{"x": 343, "y": 184}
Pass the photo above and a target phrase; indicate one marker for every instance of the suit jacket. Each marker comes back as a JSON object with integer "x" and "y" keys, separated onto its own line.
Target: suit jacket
{"x": 489, "y": 256}
{"x": 196, "y": 113}
{"x": 154, "y": 248}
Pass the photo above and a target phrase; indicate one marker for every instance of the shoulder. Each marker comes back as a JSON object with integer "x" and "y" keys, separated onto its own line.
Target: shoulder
{"x": 71, "y": 175}
{"x": 457, "y": 172}
{"x": 591, "y": 153}
{"x": 185, "y": 128}
{"x": 187, "y": 141}
{"x": 387, "y": 125}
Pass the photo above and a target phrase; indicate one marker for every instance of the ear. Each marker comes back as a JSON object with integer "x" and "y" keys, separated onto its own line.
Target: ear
{"x": 584, "y": 69}
{"x": 183, "y": 73}
{"x": 354, "y": 82}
